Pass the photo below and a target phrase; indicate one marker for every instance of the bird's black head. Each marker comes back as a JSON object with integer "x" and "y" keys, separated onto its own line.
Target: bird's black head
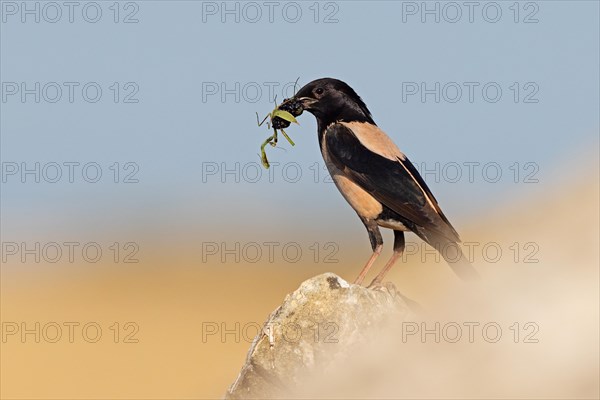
{"x": 331, "y": 100}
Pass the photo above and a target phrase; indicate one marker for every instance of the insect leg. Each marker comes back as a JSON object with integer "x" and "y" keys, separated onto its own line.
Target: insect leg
{"x": 287, "y": 137}
{"x": 263, "y": 121}
{"x": 263, "y": 154}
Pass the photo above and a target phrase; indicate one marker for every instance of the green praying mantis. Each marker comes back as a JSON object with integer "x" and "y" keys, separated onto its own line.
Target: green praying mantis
{"x": 277, "y": 118}
{"x": 281, "y": 117}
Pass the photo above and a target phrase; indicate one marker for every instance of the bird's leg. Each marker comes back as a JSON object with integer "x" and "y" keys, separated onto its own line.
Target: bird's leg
{"x": 376, "y": 245}
{"x": 398, "y": 249}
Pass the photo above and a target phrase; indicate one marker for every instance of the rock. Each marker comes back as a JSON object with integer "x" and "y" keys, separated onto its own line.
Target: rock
{"x": 315, "y": 327}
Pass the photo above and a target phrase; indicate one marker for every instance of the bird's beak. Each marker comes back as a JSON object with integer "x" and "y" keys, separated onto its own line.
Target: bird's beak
{"x": 306, "y": 102}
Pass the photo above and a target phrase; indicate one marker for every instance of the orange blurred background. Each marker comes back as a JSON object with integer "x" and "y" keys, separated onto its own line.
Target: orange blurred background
{"x": 171, "y": 296}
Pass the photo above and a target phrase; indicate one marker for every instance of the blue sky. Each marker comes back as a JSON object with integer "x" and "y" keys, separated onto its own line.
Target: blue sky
{"x": 169, "y": 61}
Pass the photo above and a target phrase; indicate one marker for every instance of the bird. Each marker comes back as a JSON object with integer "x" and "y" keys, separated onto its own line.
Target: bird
{"x": 376, "y": 178}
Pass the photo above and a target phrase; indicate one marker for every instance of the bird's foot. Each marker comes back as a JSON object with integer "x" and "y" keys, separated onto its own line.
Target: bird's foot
{"x": 390, "y": 288}
{"x": 387, "y": 287}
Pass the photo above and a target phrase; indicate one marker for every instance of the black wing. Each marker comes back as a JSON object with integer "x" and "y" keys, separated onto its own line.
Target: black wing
{"x": 395, "y": 183}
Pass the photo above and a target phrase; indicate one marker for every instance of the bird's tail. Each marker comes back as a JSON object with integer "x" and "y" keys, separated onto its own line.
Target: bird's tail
{"x": 461, "y": 266}
{"x": 453, "y": 255}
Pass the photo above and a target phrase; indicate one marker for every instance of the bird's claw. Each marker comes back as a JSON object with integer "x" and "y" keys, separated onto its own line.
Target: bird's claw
{"x": 387, "y": 287}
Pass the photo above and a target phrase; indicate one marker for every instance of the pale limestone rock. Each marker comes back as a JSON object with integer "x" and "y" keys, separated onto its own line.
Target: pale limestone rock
{"x": 316, "y": 326}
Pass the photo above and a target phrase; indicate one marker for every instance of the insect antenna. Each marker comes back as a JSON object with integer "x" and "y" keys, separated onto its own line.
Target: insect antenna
{"x": 296, "y": 83}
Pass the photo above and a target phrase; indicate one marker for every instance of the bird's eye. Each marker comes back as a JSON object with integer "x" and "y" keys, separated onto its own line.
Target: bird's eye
{"x": 319, "y": 91}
